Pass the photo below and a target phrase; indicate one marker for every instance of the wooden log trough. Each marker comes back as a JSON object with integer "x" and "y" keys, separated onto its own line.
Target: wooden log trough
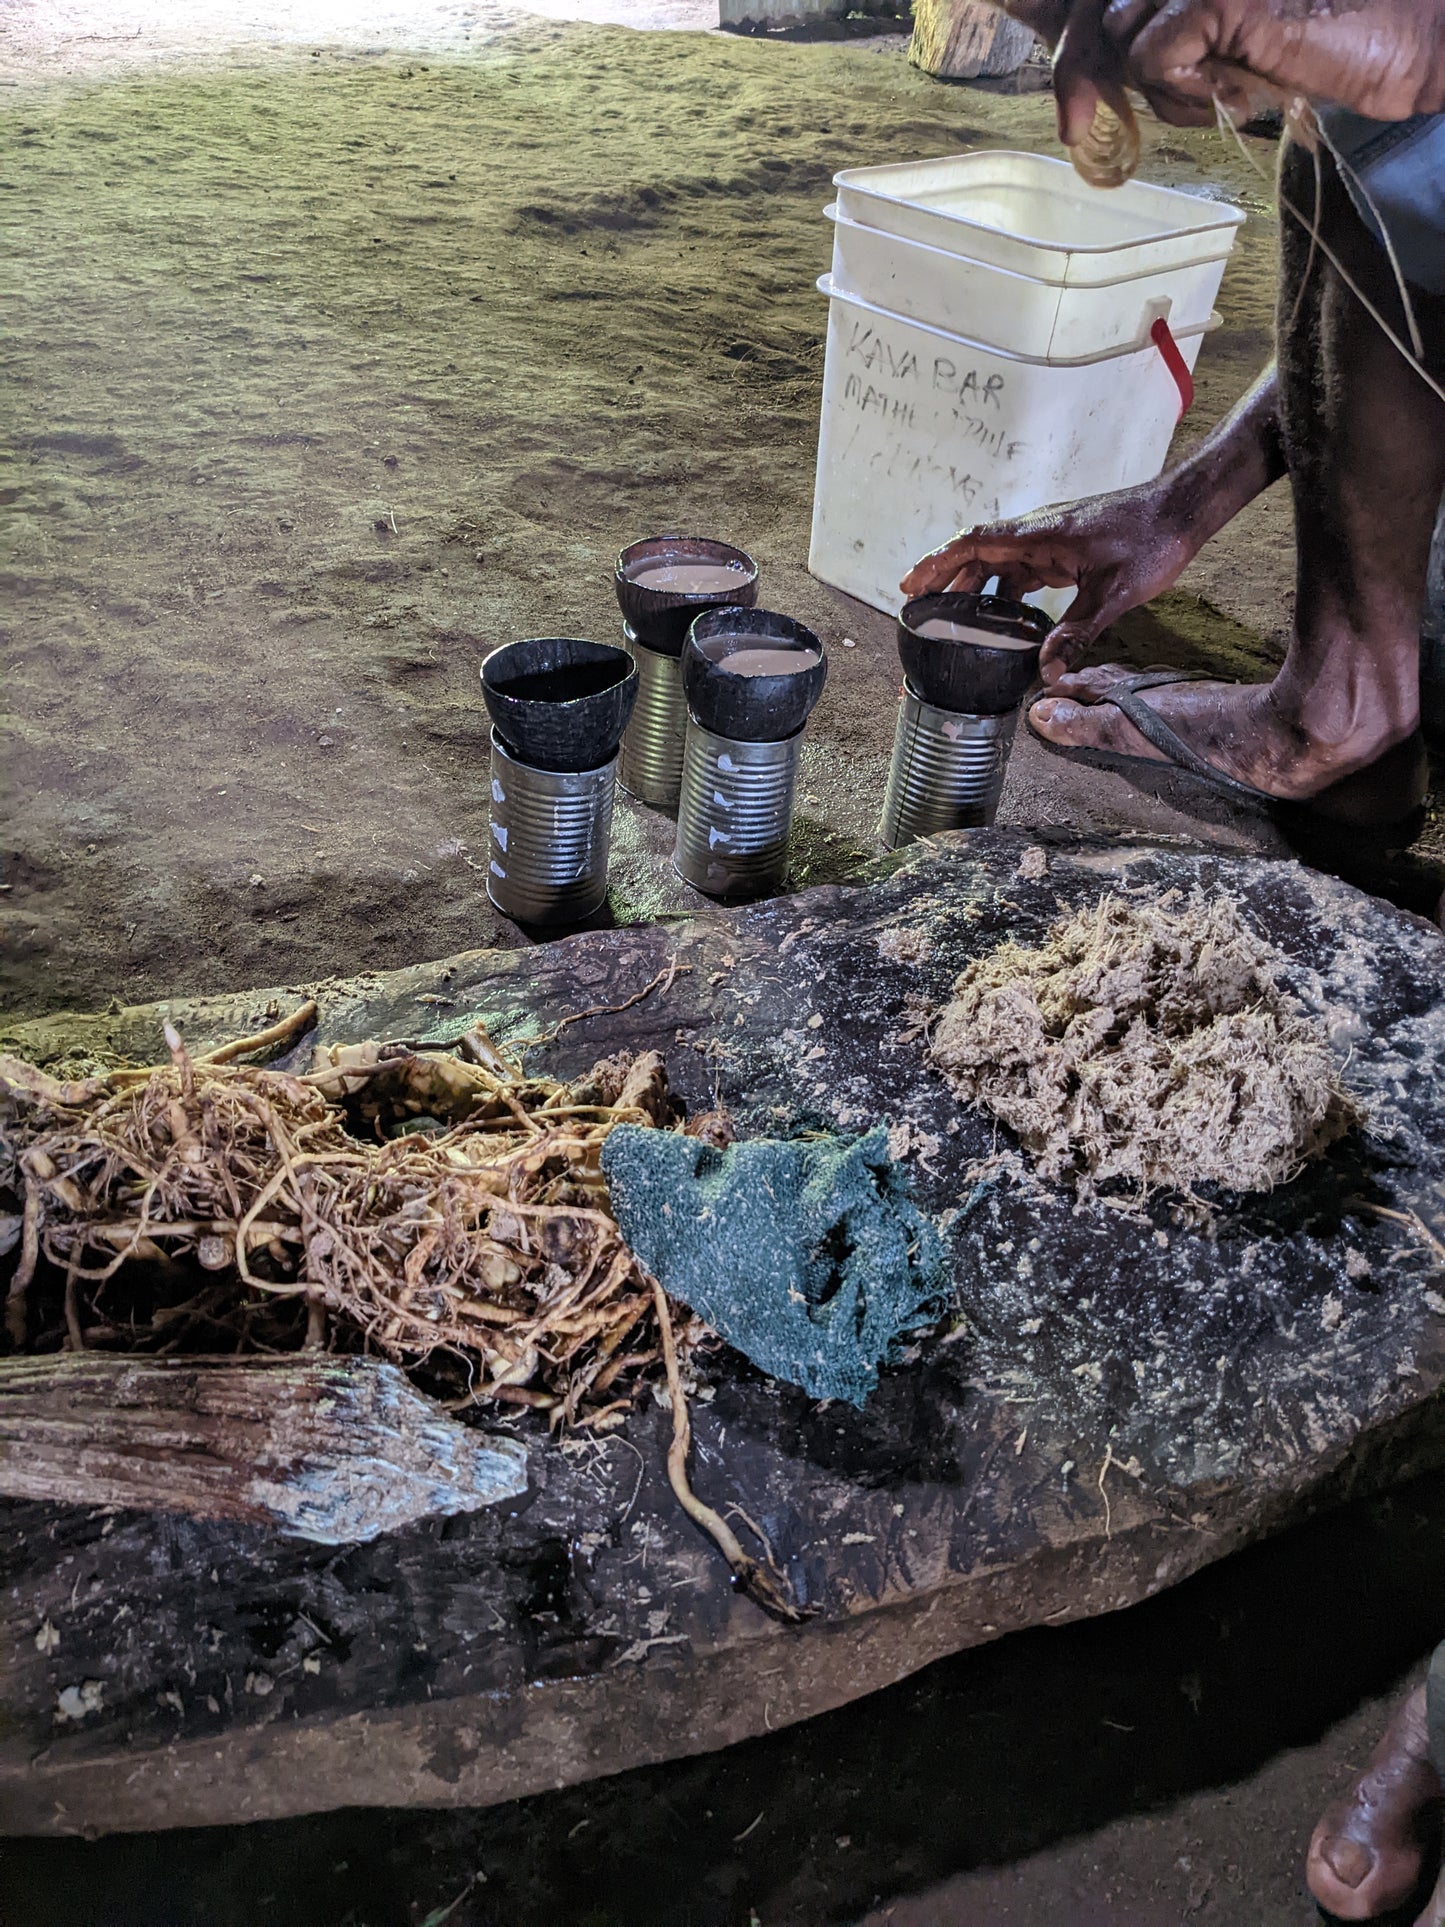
{"x": 1116, "y": 1400}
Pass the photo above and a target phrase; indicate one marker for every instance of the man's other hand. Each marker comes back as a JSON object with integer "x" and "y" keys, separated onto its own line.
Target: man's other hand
{"x": 1383, "y": 58}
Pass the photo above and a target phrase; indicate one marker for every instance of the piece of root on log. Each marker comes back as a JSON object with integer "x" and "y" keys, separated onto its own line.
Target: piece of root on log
{"x": 488, "y": 1252}
{"x": 334, "y": 1450}
{"x": 760, "y": 1579}
{"x": 277, "y": 1033}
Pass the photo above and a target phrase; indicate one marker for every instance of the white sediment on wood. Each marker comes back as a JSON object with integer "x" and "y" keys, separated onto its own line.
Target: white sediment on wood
{"x": 334, "y": 1450}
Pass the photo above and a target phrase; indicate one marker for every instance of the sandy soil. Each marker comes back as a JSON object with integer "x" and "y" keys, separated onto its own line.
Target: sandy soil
{"x": 88, "y": 40}
{"x": 332, "y": 369}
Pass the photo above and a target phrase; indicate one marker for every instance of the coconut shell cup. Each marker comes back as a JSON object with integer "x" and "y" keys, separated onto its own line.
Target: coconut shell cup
{"x": 558, "y": 702}
{"x": 751, "y": 709}
{"x": 969, "y": 677}
{"x": 660, "y": 617}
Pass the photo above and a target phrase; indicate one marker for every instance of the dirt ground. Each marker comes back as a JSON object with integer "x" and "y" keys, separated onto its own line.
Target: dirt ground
{"x": 332, "y": 368}
{"x": 337, "y": 357}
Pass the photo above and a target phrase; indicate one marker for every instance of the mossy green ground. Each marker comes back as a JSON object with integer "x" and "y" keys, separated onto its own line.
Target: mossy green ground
{"x": 329, "y": 372}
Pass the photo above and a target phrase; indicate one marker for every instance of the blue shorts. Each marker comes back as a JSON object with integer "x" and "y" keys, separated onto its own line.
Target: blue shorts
{"x": 1395, "y": 173}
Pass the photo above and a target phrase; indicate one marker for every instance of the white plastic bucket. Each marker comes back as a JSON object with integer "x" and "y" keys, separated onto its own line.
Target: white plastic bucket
{"x": 1030, "y": 214}
{"x": 925, "y": 432}
{"x": 1018, "y": 312}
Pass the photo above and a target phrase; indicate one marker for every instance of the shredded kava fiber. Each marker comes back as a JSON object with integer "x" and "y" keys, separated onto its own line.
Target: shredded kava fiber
{"x": 429, "y": 1209}
{"x": 1147, "y": 1043}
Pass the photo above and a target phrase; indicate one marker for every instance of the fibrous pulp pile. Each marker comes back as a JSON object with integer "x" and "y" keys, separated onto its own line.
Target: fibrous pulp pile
{"x": 1149, "y": 1043}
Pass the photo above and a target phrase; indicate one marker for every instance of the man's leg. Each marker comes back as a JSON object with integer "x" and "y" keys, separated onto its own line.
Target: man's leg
{"x": 1366, "y": 1852}
{"x": 1365, "y": 444}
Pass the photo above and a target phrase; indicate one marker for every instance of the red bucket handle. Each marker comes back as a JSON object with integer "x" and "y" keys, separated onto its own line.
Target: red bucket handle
{"x": 1168, "y": 348}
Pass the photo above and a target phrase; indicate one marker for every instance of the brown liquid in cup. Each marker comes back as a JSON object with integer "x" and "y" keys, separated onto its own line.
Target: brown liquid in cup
{"x": 690, "y": 578}
{"x": 939, "y": 629}
{"x": 741, "y": 656}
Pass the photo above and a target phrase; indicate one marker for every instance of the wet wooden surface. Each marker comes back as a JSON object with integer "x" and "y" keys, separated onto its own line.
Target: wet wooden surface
{"x": 335, "y": 1450}
{"x": 1116, "y": 1402}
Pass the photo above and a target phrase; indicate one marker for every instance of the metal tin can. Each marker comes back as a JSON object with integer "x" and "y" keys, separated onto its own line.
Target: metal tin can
{"x": 550, "y": 835}
{"x": 735, "y": 813}
{"x": 947, "y": 770}
{"x": 651, "y": 759}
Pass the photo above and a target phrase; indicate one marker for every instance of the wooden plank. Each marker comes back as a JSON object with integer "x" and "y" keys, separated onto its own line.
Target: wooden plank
{"x": 1119, "y": 1399}
{"x": 967, "y": 40}
{"x": 334, "y": 1450}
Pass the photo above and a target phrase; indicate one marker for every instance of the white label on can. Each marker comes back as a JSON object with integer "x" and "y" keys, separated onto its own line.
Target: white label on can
{"x": 726, "y": 762}
{"x": 497, "y": 870}
{"x": 499, "y": 831}
{"x": 499, "y": 795}
{"x": 721, "y": 801}
{"x": 714, "y": 837}
{"x": 953, "y": 731}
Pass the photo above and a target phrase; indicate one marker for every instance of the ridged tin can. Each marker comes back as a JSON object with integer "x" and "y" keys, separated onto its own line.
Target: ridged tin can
{"x": 735, "y": 813}
{"x": 947, "y": 770}
{"x": 650, "y": 767}
{"x": 549, "y": 839}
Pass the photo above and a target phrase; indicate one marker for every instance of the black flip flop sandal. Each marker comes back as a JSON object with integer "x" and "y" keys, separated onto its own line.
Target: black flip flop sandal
{"x": 1293, "y": 818}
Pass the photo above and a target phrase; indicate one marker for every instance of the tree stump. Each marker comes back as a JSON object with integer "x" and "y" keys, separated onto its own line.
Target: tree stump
{"x": 967, "y": 40}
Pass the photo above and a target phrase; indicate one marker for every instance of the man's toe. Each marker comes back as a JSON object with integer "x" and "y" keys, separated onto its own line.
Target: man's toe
{"x": 1354, "y": 1880}
{"x": 1348, "y": 1860}
{"x": 1089, "y": 685}
{"x": 1064, "y": 721}
{"x": 1338, "y": 1868}
{"x": 1059, "y": 719}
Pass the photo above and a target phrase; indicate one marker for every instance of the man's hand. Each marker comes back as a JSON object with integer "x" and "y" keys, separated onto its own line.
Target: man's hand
{"x": 1383, "y": 58}
{"x": 1118, "y": 550}
{"x": 1088, "y": 66}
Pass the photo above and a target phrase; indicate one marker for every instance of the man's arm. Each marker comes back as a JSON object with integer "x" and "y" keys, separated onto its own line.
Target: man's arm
{"x": 1240, "y": 458}
{"x": 1119, "y": 550}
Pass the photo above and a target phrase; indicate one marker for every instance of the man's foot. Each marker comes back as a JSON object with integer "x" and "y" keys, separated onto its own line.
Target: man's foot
{"x": 1244, "y": 729}
{"x": 1367, "y": 1851}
